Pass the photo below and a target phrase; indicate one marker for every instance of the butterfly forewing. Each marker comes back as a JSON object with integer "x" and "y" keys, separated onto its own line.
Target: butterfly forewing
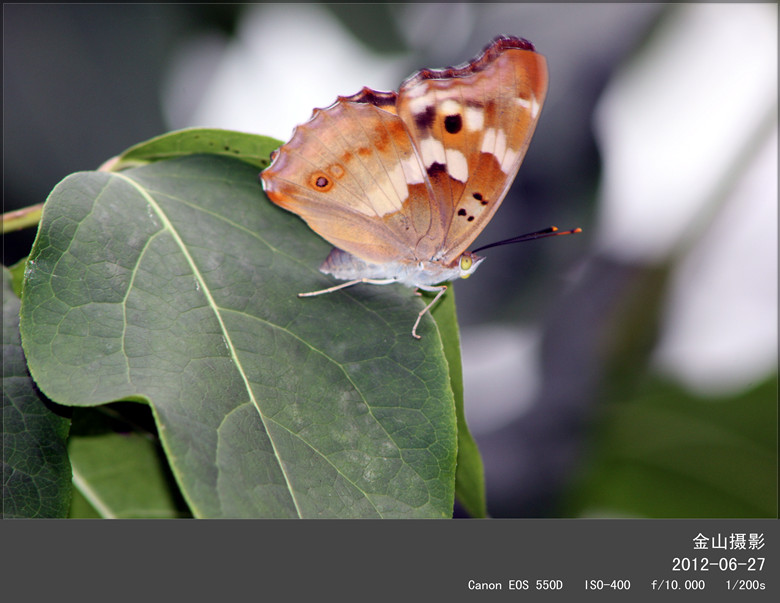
{"x": 472, "y": 126}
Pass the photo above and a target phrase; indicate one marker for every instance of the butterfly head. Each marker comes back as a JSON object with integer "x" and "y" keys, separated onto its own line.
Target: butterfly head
{"x": 468, "y": 263}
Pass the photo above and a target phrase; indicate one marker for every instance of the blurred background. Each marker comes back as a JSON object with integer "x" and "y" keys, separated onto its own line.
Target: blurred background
{"x": 627, "y": 371}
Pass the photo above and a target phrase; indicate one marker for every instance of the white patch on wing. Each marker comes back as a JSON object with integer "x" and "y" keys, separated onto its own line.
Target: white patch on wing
{"x": 509, "y": 160}
{"x": 412, "y": 170}
{"x": 457, "y": 166}
{"x": 383, "y": 203}
{"x": 475, "y": 119}
{"x": 535, "y": 107}
{"x": 418, "y": 104}
{"x": 398, "y": 180}
{"x": 385, "y": 190}
{"x": 494, "y": 142}
{"x": 523, "y": 102}
{"x": 432, "y": 151}
{"x": 450, "y": 107}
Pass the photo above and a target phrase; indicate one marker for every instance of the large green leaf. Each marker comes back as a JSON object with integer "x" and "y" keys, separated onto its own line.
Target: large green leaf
{"x": 175, "y": 284}
{"x": 36, "y": 471}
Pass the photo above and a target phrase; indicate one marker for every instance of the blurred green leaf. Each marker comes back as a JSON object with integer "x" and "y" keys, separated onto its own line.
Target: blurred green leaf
{"x": 470, "y": 475}
{"x": 250, "y": 148}
{"x": 81, "y": 509}
{"x": 175, "y": 283}
{"x": 667, "y": 453}
{"x": 36, "y": 471}
{"x": 17, "y": 277}
{"x": 119, "y": 468}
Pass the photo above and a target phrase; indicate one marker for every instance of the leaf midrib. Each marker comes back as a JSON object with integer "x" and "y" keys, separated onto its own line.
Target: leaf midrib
{"x": 218, "y": 314}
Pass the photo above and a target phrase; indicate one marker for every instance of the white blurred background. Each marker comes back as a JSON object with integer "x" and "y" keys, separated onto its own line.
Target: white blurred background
{"x": 658, "y": 138}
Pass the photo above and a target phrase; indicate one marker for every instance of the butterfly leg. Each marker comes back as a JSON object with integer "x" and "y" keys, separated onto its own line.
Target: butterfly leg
{"x": 441, "y": 289}
{"x": 369, "y": 281}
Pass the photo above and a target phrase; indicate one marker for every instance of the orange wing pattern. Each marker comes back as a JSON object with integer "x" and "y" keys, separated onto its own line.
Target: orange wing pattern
{"x": 417, "y": 175}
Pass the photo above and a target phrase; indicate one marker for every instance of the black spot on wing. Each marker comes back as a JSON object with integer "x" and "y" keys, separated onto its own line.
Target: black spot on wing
{"x": 425, "y": 120}
{"x": 436, "y": 169}
{"x": 453, "y": 123}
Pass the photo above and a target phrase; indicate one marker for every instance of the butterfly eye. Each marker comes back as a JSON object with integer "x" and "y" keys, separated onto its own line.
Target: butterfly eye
{"x": 465, "y": 263}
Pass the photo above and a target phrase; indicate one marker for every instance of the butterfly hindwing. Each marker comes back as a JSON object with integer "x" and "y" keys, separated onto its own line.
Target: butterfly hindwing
{"x": 352, "y": 174}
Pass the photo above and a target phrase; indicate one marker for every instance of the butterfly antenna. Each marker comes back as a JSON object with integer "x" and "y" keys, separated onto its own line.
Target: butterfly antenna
{"x": 552, "y": 231}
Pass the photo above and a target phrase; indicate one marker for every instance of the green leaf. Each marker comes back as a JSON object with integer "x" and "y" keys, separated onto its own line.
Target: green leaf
{"x": 250, "y": 148}
{"x": 175, "y": 283}
{"x": 17, "y": 277}
{"x": 119, "y": 469}
{"x": 81, "y": 509}
{"x": 470, "y": 475}
{"x": 668, "y": 453}
{"x": 36, "y": 471}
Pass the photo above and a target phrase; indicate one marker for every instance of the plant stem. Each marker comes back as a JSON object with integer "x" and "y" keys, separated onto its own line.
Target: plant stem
{"x": 22, "y": 218}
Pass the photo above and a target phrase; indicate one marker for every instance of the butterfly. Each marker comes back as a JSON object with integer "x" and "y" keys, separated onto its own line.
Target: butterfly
{"x": 402, "y": 183}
